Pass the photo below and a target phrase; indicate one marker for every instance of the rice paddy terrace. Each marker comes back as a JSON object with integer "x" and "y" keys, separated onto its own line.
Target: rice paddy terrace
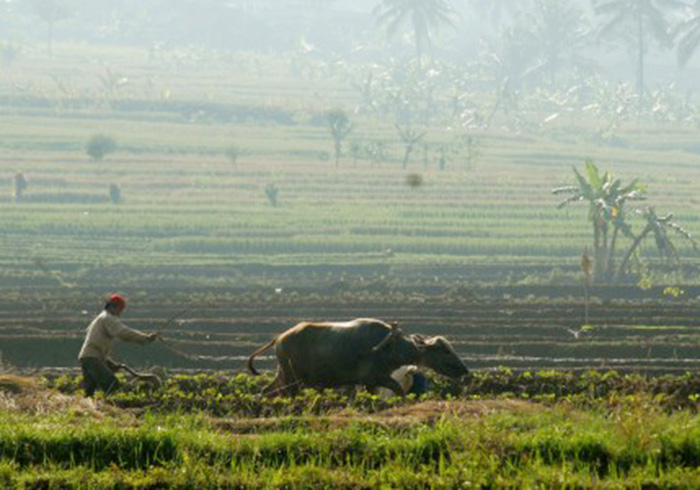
{"x": 517, "y": 327}
{"x": 476, "y": 251}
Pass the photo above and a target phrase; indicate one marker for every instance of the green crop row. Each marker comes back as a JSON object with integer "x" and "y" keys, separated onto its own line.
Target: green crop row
{"x": 237, "y": 394}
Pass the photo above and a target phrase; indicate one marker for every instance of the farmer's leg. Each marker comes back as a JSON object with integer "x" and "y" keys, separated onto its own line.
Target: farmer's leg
{"x": 101, "y": 374}
{"x": 89, "y": 382}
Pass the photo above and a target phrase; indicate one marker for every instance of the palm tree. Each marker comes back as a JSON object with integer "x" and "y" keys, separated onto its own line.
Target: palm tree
{"x": 559, "y": 33}
{"x": 689, "y": 31}
{"x": 425, "y": 17}
{"x": 50, "y": 11}
{"x": 647, "y": 18}
{"x": 505, "y": 60}
{"x": 659, "y": 227}
{"x": 606, "y": 199}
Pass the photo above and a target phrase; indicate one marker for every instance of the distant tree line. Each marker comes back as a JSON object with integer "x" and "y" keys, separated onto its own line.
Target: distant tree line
{"x": 526, "y": 37}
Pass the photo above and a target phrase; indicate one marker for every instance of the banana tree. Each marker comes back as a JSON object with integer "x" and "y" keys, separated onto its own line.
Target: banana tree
{"x": 659, "y": 227}
{"x": 606, "y": 198}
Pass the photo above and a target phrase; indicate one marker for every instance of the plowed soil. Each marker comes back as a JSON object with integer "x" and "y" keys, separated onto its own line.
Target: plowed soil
{"x": 518, "y": 327}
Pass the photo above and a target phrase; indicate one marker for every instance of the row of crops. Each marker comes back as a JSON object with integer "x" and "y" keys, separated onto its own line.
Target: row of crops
{"x": 231, "y": 394}
{"x": 522, "y": 327}
{"x": 347, "y": 220}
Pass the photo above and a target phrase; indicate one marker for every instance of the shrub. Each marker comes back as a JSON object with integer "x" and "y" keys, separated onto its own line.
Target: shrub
{"x": 100, "y": 145}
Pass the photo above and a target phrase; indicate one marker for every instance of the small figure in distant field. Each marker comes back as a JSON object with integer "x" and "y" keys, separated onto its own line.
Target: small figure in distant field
{"x": 115, "y": 193}
{"x": 98, "y": 368}
{"x": 20, "y": 185}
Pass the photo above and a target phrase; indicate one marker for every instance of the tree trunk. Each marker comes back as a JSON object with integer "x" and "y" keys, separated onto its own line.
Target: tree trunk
{"x": 407, "y": 155}
{"x": 419, "y": 42}
{"x": 599, "y": 249}
{"x": 630, "y": 251}
{"x": 596, "y": 253}
{"x": 610, "y": 266}
{"x": 605, "y": 252}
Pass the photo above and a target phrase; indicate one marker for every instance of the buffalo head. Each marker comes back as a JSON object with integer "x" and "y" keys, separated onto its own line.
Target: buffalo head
{"x": 437, "y": 354}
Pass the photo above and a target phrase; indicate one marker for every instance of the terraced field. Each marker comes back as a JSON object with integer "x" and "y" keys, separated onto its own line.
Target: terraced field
{"x": 532, "y": 327}
{"x": 477, "y": 252}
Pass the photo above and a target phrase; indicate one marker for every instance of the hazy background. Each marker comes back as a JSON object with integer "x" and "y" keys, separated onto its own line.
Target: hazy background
{"x": 259, "y": 163}
{"x": 349, "y": 30}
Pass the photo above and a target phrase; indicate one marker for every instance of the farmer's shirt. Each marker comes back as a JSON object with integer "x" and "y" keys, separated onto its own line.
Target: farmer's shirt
{"x": 102, "y": 332}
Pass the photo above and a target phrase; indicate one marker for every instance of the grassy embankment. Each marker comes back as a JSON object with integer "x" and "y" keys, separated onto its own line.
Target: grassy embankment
{"x": 620, "y": 439}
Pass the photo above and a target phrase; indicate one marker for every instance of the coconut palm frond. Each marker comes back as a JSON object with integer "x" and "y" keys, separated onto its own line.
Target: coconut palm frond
{"x": 613, "y": 24}
{"x": 424, "y": 17}
{"x": 687, "y": 46}
{"x": 689, "y": 33}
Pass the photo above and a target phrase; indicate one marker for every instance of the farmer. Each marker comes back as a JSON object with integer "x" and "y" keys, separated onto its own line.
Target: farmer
{"x": 94, "y": 355}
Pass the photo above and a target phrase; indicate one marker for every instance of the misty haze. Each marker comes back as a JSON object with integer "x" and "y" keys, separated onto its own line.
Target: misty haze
{"x": 508, "y": 186}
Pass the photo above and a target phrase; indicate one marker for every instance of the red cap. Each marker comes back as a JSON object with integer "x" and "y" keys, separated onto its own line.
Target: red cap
{"x": 117, "y": 300}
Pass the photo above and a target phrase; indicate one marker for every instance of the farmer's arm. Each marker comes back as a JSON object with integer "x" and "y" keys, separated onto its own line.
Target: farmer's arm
{"x": 122, "y": 332}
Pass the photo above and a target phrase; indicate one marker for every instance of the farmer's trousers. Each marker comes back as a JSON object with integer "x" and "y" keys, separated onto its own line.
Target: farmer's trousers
{"x": 97, "y": 375}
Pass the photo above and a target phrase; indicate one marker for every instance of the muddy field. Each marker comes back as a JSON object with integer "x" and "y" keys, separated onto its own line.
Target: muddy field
{"x": 519, "y": 327}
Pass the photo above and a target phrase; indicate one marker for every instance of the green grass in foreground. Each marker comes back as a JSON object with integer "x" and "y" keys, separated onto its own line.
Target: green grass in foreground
{"x": 514, "y": 443}
{"x": 619, "y": 439}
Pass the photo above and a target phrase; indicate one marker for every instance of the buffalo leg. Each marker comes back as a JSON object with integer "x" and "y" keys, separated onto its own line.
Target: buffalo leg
{"x": 285, "y": 382}
{"x": 289, "y": 383}
{"x": 276, "y": 386}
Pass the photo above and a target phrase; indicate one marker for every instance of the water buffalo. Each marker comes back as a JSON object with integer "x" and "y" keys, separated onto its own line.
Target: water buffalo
{"x": 363, "y": 351}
